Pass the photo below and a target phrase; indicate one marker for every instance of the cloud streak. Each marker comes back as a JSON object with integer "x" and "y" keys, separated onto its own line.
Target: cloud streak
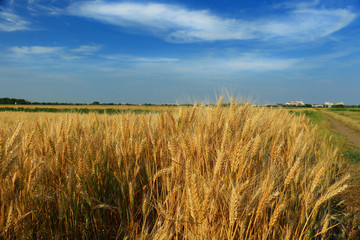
{"x": 87, "y": 49}
{"x": 37, "y": 50}
{"x": 252, "y": 62}
{"x": 130, "y": 58}
{"x": 81, "y": 54}
{"x": 309, "y": 24}
{"x": 258, "y": 63}
{"x": 178, "y": 24}
{"x": 10, "y": 22}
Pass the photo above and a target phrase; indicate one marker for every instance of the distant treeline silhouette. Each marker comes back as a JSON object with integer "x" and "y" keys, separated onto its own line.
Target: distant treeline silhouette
{"x": 19, "y": 101}
{"x": 78, "y": 110}
{"x": 14, "y": 101}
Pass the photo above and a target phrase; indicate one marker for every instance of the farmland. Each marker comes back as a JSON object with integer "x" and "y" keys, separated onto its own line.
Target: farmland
{"x": 349, "y": 116}
{"x": 203, "y": 172}
{"x": 100, "y": 109}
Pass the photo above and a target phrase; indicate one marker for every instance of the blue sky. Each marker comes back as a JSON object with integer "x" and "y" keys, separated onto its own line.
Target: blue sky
{"x": 168, "y": 51}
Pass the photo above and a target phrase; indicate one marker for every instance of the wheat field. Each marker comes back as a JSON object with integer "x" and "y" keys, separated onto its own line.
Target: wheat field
{"x": 234, "y": 172}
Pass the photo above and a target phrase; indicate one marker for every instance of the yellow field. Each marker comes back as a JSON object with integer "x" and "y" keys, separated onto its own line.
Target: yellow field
{"x": 235, "y": 172}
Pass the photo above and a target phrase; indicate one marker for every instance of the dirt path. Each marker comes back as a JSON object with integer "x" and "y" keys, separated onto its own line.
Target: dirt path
{"x": 352, "y": 135}
{"x": 351, "y": 196}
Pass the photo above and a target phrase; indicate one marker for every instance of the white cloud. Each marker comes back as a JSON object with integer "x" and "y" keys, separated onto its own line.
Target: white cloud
{"x": 81, "y": 52}
{"x": 40, "y": 8}
{"x": 252, "y": 62}
{"x": 37, "y": 50}
{"x": 10, "y": 22}
{"x": 298, "y": 4}
{"x": 129, "y": 58}
{"x": 248, "y": 62}
{"x": 309, "y": 24}
{"x": 258, "y": 63}
{"x": 87, "y": 49}
{"x": 179, "y": 24}
{"x": 155, "y": 59}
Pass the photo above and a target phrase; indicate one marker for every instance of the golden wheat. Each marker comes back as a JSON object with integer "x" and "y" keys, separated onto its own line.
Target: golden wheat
{"x": 206, "y": 172}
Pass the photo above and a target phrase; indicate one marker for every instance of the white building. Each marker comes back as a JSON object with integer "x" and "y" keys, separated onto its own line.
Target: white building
{"x": 340, "y": 104}
{"x": 328, "y": 104}
{"x": 295, "y": 103}
{"x": 317, "y": 105}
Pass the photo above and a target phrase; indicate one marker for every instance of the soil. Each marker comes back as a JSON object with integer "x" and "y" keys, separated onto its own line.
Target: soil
{"x": 351, "y": 196}
{"x": 352, "y": 135}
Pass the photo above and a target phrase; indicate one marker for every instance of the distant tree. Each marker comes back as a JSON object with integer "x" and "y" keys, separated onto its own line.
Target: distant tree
{"x": 14, "y": 101}
{"x": 338, "y": 106}
{"x": 96, "y": 103}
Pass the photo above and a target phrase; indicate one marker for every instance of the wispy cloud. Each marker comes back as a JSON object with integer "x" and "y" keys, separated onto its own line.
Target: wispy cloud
{"x": 155, "y": 59}
{"x": 297, "y": 4}
{"x": 201, "y": 65}
{"x": 309, "y": 24}
{"x": 130, "y": 58}
{"x": 87, "y": 49}
{"x": 10, "y": 22}
{"x": 43, "y": 7}
{"x": 81, "y": 54}
{"x": 259, "y": 63}
{"x": 179, "y": 24}
{"x": 37, "y": 50}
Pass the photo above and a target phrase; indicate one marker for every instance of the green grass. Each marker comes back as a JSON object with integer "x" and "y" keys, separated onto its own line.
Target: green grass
{"x": 315, "y": 116}
{"x": 353, "y": 154}
{"x": 344, "y": 109}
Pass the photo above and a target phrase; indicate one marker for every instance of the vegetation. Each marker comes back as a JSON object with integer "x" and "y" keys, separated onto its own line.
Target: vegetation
{"x": 351, "y": 159}
{"x": 16, "y": 101}
{"x": 323, "y": 126}
{"x": 13, "y": 101}
{"x": 76, "y": 110}
{"x": 234, "y": 172}
{"x": 345, "y": 107}
{"x": 351, "y": 117}
{"x": 353, "y": 154}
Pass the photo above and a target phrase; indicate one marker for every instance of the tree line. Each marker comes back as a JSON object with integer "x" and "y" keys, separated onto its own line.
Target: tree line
{"x": 19, "y": 101}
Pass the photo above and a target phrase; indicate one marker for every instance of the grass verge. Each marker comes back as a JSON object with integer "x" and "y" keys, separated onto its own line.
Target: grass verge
{"x": 350, "y": 162}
